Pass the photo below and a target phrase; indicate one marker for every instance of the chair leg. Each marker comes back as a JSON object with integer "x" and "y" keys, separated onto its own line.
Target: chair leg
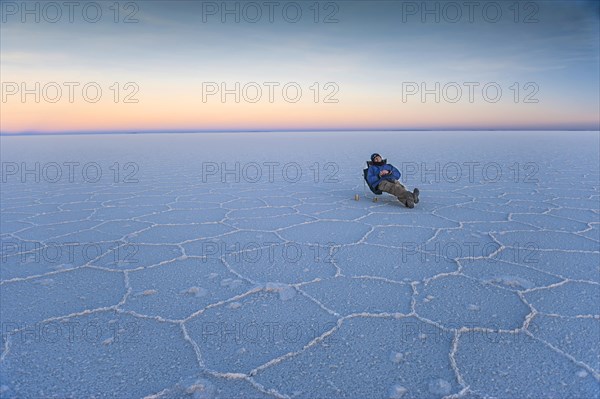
{"x": 365, "y": 190}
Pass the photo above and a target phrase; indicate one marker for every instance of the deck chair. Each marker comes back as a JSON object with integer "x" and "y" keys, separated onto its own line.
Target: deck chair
{"x": 373, "y": 190}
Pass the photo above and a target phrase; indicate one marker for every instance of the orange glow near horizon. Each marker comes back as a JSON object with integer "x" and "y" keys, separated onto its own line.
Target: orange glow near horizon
{"x": 197, "y": 116}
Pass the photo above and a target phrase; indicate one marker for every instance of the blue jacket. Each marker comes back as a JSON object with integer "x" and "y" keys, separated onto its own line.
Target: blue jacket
{"x": 373, "y": 173}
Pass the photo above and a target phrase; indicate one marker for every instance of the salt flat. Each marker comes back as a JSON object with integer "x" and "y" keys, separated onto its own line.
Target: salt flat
{"x": 240, "y": 265}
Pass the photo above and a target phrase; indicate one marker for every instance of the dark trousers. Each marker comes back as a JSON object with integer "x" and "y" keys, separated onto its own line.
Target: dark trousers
{"x": 396, "y": 189}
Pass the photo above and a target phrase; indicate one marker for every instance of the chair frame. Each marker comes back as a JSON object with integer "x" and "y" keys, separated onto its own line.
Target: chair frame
{"x": 365, "y": 183}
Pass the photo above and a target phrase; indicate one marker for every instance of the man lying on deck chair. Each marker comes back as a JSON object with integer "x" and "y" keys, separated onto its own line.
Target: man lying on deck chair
{"x": 384, "y": 177}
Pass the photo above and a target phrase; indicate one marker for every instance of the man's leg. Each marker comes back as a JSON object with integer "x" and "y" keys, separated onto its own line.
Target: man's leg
{"x": 398, "y": 190}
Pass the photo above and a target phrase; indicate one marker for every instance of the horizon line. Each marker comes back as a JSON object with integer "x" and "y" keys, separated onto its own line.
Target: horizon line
{"x": 188, "y": 131}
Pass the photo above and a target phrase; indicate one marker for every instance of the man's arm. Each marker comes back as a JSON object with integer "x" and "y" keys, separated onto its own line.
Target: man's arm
{"x": 395, "y": 172}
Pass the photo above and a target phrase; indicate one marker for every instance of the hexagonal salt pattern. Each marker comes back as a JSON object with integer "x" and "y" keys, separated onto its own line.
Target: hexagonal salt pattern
{"x": 184, "y": 284}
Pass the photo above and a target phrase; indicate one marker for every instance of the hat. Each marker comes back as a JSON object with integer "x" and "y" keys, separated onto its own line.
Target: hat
{"x": 373, "y": 156}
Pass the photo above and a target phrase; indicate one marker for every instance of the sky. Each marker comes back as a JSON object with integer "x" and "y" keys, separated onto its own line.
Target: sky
{"x": 140, "y": 66}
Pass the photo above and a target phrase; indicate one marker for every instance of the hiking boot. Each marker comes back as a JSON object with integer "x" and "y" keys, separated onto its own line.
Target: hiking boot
{"x": 416, "y": 195}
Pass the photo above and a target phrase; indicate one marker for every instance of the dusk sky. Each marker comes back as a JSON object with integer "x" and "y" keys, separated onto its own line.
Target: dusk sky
{"x": 369, "y": 61}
